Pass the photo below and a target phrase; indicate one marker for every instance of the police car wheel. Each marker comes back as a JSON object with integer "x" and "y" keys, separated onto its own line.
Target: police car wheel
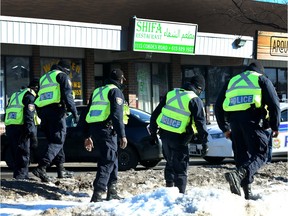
{"x": 127, "y": 158}
{"x": 150, "y": 163}
{"x": 214, "y": 160}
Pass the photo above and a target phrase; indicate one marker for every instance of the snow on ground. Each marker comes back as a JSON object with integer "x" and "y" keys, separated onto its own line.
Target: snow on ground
{"x": 163, "y": 201}
{"x": 207, "y": 194}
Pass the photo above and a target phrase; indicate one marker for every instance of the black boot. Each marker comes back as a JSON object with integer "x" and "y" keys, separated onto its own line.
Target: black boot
{"x": 63, "y": 173}
{"x": 98, "y": 196}
{"x": 40, "y": 172}
{"x": 247, "y": 191}
{"x": 234, "y": 178}
{"x": 169, "y": 184}
{"x": 112, "y": 193}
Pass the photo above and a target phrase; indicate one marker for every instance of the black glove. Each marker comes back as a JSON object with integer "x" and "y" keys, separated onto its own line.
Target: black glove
{"x": 204, "y": 149}
{"x": 76, "y": 118}
{"x": 33, "y": 142}
{"x": 154, "y": 138}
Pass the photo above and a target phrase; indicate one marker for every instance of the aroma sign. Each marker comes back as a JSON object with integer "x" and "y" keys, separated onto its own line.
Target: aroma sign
{"x": 272, "y": 46}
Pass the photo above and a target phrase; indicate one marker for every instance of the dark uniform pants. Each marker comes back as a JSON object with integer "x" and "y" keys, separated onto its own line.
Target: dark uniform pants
{"x": 250, "y": 147}
{"x": 53, "y": 123}
{"x": 177, "y": 156}
{"x": 20, "y": 150}
{"x": 107, "y": 165}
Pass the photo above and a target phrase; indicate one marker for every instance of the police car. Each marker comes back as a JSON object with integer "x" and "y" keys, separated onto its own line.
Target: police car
{"x": 221, "y": 148}
{"x": 280, "y": 144}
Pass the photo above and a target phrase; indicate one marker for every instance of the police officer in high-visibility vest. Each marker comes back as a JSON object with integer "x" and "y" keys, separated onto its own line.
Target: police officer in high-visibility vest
{"x": 20, "y": 121}
{"x": 239, "y": 112}
{"x": 180, "y": 115}
{"x": 55, "y": 99}
{"x": 104, "y": 121}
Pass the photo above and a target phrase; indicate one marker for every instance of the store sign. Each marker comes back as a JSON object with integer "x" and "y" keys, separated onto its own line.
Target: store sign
{"x": 164, "y": 37}
{"x": 272, "y": 46}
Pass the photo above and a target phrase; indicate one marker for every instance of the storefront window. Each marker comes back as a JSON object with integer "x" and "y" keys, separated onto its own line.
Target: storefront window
{"x": 2, "y": 89}
{"x": 17, "y": 74}
{"x": 75, "y": 75}
{"x": 282, "y": 84}
{"x": 144, "y": 86}
{"x": 159, "y": 82}
{"x": 189, "y": 73}
{"x": 152, "y": 84}
{"x": 217, "y": 77}
{"x": 272, "y": 75}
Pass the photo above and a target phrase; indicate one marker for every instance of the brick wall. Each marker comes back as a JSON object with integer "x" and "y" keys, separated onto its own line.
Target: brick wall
{"x": 133, "y": 85}
{"x": 88, "y": 75}
{"x": 175, "y": 77}
{"x": 35, "y": 62}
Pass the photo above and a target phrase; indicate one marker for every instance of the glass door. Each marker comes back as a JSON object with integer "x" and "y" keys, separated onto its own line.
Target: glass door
{"x": 144, "y": 86}
{"x": 152, "y": 80}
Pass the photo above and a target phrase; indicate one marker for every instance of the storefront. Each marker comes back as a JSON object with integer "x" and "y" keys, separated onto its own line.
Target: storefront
{"x": 272, "y": 48}
{"x": 29, "y": 47}
{"x": 94, "y": 50}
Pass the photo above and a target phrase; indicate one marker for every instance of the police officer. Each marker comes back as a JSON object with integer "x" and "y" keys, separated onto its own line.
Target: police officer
{"x": 20, "y": 121}
{"x": 104, "y": 122}
{"x": 179, "y": 115}
{"x": 55, "y": 99}
{"x": 239, "y": 112}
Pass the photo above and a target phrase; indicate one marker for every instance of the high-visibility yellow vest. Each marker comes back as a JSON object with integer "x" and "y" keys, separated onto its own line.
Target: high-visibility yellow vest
{"x": 100, "y": 105}
{"x": 15, "y": 109}
{"x": 49, "y": 91}
{"x": 243, "y": 91}
{"x": 175, "y": 115}
{"x": 126, "y": 113}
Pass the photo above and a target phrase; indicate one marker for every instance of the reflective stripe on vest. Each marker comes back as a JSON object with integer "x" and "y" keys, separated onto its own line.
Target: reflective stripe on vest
{"x": 175, "y": 115}
{"x": 100, "y": 105}
{"x": 14, "y": 111}
{"x": 49, "y": 92}
{"x": 243, "y": 91}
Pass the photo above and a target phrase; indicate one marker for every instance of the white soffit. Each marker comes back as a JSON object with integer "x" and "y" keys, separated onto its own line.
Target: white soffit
{"x": 223, "y": 45}
{"x": 44, "y": 32}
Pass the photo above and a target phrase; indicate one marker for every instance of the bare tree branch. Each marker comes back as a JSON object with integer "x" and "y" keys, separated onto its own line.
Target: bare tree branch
{"x": 254, "y": 17}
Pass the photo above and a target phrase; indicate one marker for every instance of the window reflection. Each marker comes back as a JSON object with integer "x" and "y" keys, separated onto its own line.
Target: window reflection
{"x": 2, "y": 90}
{"x": 282, "y": 84}
{"x": 17, "y": 73}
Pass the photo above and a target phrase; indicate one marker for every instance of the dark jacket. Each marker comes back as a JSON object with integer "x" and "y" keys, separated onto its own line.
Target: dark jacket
{"x": 116, "y": 112}
{"x": 67, "y": 100}
{"x": 269, "y": 98}
{"x": 29, "y": 110}
{"x": 197, "y": 112}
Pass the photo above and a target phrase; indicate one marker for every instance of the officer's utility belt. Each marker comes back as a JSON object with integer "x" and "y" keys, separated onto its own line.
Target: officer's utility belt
{"x": 105, "y": 124}
{"x": 109, "y": 124}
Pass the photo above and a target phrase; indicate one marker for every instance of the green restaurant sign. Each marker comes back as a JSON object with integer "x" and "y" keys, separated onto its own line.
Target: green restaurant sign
{"x": 164, "y": 37}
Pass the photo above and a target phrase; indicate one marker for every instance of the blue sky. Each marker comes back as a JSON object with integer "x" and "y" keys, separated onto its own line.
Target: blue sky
{"x": 274, "y": 1}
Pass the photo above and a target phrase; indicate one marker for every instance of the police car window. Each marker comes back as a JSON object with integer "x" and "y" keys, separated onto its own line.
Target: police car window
{"x": 284, "y": 116}
{"x": 141, "y": 115}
